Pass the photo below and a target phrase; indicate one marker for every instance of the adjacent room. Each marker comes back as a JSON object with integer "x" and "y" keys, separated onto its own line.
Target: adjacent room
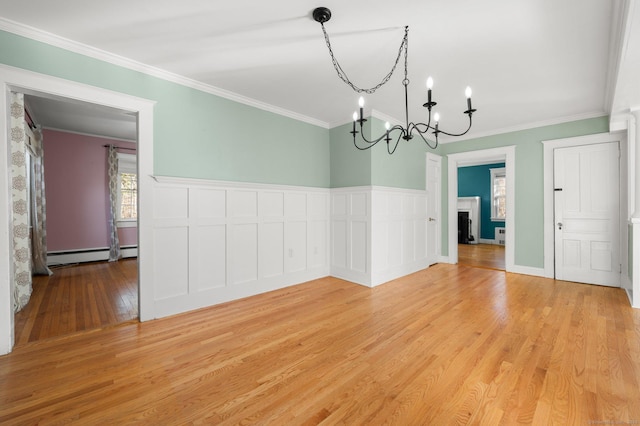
{"x": 290, "y": 213}
{"x": 86, "y": 282}
{"x": 482, "y": 210}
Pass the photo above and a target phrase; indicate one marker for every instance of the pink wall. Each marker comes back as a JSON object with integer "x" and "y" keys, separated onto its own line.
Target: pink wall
{"x": 75, "y": 172}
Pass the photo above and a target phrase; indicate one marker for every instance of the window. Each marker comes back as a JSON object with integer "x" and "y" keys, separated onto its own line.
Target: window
{"x": 127, "y": 190}
{"x": 498, "y": 194}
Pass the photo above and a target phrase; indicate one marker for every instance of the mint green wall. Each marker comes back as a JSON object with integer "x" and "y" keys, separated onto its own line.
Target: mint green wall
{"x": 349, "y": 166}
{"x": 528, "y": 180}
{"x": 352, "y": 167}
{"x": 196, "y": 134}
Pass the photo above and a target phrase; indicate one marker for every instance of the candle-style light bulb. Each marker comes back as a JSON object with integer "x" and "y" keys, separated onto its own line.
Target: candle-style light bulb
{"x": 387, "y": 126}
{"x": 467, "y": 93}
{"x": 429, "y": 83}
{"x": 355, "y": 118}
{"x": 436, "y": 117}
{"x": 429, "y": 87}
{"x": 361, "y": 104}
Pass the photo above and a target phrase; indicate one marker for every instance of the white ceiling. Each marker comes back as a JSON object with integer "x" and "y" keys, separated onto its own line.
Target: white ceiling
{"x": 529, "y": 62}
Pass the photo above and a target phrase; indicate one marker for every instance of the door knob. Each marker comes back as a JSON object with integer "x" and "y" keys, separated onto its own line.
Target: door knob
{"x": 559, "y": 225}
{"x": 431, "y": 219}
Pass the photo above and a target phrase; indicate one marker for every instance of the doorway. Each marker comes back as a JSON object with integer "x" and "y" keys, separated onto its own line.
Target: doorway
{"x": 85, "y": 291}
{"x": 504, "y": 155}
{"x": 19, "y": 80}
{"x": 481, "y": 214}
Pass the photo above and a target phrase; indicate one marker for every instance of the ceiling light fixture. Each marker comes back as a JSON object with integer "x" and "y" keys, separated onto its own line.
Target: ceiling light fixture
{"x": 322, "y": 15}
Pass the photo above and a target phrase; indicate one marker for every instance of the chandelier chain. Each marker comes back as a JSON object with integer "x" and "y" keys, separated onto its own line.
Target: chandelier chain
{"x": 343, "y": 75}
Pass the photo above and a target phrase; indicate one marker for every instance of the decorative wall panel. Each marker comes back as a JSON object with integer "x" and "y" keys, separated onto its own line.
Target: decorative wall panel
{"x": 378, "y": 234}
{"x": 219, "y": 241}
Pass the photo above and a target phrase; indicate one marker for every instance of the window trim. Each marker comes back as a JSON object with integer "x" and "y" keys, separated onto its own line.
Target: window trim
{"x": 496, "y": 173}
{"x": 127, "y": 163}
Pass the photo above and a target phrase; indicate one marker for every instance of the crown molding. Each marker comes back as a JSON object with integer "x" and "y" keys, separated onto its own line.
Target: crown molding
{"x": 102, "y": 55}
{"x": 526, "y": 126}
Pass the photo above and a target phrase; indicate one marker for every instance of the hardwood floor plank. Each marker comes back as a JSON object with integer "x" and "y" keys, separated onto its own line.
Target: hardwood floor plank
{"x": 78, "y": 298}
{"x": 451, "y": 344}
{"x": 491, "y": 256}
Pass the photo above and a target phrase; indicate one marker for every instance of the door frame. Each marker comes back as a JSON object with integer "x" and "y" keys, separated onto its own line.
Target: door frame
{"x": 506, "y": 154}
{"x": 548, "y": 194}
{"x": 17, "y": 79}
{"x": 438, "y": 206}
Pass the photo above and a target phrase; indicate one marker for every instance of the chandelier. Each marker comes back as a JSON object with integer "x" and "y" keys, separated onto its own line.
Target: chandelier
{"x": 406, "y": 132}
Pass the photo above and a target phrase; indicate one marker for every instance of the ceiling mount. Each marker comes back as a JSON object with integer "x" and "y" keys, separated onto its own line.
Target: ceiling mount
{"x": 321, "y": 14}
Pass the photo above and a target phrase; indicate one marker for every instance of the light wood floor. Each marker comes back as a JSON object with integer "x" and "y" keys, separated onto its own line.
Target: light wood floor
{"x": 78, "y": 298}
{"x": 481, "y": 255}
{"x": 448, "y": 345}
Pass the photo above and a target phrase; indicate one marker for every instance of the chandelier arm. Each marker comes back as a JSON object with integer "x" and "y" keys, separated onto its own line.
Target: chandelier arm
{"x": 389, "y": 150}
{"x": 425, "y": 139}
{"x": 373, "y": 141}
{"x": 363, "y": 148}
{"x": 457, "y": 134}
{"x": 343, "y": 75}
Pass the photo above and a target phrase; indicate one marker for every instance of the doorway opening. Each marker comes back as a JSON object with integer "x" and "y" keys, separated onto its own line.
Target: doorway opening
{"x": 482, "y": 251}
{"x": 85, "y": 291}
{"x": 31, "y": 83}
{"x": 481, "y": 214}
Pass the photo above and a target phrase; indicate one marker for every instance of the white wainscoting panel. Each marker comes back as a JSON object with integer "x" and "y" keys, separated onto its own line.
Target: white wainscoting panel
{"x": 378, "y": 233}
{"x": 351, "y": 234}
{"x": 219, "y": 241}
{"x": 399, "y": 225}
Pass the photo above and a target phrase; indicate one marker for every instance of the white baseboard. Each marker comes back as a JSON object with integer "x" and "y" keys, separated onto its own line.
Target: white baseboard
{"x": 397, "y": 272}
{"x": 527, "y": 270}
{"x": 488, "y": 241}
{"x": 351, "y": 276}
{"x": 87, "y": 255}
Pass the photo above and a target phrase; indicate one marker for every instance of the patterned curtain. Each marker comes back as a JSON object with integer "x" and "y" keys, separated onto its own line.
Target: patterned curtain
{"x": 38, "y": 207}
{"x": 21, "y": 247}
{"x": 112, "y": 170}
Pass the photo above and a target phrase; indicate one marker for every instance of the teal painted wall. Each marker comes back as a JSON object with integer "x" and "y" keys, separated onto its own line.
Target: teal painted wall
{"x": 196, "y": 134}
{"x": 529, "y": 244}
{"x": 475, "y": 181}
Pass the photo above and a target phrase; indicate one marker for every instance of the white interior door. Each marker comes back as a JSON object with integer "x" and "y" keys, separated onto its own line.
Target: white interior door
{"x": 434, "y": 164}
{"x": 587, "y": 214}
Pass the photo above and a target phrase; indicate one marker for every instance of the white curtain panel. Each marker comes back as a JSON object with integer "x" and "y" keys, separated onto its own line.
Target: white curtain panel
{"x": 112, "y": 170}
{"x": 20, "y": 206}
{"x": 38, "y": 206}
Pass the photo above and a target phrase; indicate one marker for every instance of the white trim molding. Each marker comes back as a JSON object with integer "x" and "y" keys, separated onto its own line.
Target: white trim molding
{"x": 29, "y": 82}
